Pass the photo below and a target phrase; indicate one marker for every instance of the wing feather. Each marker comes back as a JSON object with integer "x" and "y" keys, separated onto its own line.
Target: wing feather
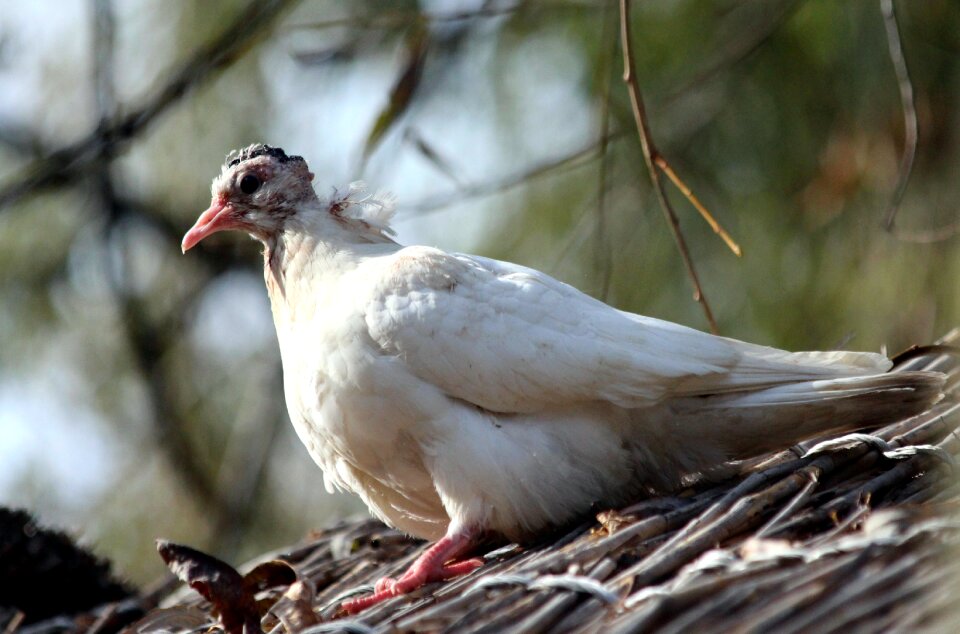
{"x": 511, "y": 339}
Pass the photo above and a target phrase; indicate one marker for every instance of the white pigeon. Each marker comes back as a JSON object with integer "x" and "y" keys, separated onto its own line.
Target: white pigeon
{"x": 461, "y": 396}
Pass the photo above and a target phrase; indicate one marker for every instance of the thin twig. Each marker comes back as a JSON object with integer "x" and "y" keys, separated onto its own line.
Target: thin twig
{"x": 914, "y": 352}
{"x": 910, "y": 135}
{"x": 584, "y": 228}
{"x": 383, "y": 20}
{"x": 746, "y": 513}
{"x": 649, "y": 154}
{"x": 603, "y": 254}
{"x": 798, "y": 501}
{"x": 14, "y": 622}
{"x": 568, "y": 161}
{"x": 742, "y": 40}
{"x": 686, "y": 191}
{"x": 928, "y": 236}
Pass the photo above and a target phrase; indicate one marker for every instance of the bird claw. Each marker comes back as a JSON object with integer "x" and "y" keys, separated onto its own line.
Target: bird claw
{"x": 388, "y": 587}
{"x": 385, "y": 588}
{"x": 384, "y": 585}
{"x": 430, "y": 566}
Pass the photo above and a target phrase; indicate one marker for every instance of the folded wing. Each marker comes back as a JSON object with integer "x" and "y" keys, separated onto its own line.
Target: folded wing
{"x": 511, "y": 339}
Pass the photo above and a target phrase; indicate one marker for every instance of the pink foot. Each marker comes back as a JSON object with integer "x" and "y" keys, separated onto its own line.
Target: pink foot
{"x": 429, "y": 567}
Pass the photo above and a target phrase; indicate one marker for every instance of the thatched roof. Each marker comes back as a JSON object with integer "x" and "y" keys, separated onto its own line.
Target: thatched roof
{"x": 856, "y": 534}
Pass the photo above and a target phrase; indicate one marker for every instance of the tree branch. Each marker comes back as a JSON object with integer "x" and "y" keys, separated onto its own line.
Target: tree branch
{"x": 650, "y": 155}
{"x": 707, "y": 216}
{"x": 910, "y": 137}
{"x": 66, "y": 164}
{"x": 910, "y": 127}
{"x": 567, "y": 161}
{"x": 741, "y": 41}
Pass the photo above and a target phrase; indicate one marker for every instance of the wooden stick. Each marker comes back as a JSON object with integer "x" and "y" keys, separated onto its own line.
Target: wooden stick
{"x": 699, "y": 206}
{"x": 650, "y": 154}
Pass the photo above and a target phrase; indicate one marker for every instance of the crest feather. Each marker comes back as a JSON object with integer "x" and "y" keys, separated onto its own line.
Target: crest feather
{"x": 372, "y": 210}
{"x": 258, "y": 149}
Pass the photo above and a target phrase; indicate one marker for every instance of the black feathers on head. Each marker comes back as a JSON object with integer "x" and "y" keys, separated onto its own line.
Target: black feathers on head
{"x": 259, "y": 149}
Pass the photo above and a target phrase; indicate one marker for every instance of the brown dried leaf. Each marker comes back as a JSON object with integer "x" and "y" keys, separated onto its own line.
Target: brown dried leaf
{"x": 218, "y": 582}
{"x": 295, "y": 607}
{"x": 269, "y": 574}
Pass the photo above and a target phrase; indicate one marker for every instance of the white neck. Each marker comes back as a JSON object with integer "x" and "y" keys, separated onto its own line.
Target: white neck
{"x": 313, "y": 245}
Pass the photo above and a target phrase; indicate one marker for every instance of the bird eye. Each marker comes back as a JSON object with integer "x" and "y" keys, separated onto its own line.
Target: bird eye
{"x": 249, "y": 184}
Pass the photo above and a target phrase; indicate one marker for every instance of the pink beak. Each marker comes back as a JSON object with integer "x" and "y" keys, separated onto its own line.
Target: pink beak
{"x": 217, "y": 217}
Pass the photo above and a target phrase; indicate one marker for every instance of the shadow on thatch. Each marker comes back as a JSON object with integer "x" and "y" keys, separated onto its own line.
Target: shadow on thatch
{"x": 856, "y": 533}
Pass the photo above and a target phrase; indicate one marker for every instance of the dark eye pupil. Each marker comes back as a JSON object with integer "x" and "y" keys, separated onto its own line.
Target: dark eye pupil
{"x": 249, "y": 184}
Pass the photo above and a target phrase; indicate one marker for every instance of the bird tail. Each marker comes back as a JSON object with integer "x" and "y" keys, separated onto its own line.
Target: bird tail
{"x": 732, "y": 426}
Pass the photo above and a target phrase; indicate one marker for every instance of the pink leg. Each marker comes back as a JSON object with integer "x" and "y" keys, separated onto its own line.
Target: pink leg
{"x": 430, "y": 566}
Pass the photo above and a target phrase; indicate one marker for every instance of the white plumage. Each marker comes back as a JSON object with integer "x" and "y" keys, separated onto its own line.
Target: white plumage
{"x": 459, "y": 395}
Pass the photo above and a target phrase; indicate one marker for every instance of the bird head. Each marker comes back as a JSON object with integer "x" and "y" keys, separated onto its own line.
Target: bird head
{"x": 258, "y": 188}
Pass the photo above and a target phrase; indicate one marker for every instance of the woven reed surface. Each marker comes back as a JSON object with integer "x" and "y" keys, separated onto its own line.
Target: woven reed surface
{"x": 858, "y": 536}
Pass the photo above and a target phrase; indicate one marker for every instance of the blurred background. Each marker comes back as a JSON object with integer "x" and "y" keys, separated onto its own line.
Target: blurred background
{"x": 140, "y": 393}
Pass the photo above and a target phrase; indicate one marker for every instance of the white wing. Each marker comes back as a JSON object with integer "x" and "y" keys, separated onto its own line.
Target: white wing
{"x": 512, "y": 339}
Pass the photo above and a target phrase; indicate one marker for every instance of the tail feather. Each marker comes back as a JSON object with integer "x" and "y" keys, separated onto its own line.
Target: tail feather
{"x": 733, "y": 426}
{"x": 881, "y": 392}
{"x": 811, "y": 365}
{"x": 839, "y": 362}
{"x": 760, "y": 367}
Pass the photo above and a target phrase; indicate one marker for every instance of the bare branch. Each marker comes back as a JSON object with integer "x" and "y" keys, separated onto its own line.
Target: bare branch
{"x": 910, "y": 134}
{"x": 741, "y": 41}
{"x": 68, "y": 163}
{"x": 910, "y": 137}
{"x": 603, "y": 255}
{"x": 384, "y": 20}
{"x": 686, "y": 191}
{"x": 649, "y": 154}
{"x": 928, "y": 236}
{"x": 433, "y": 156}
{"x": 21, "y": 139}
{"x": 145, "y": 341}
{"x": 565, "y": 162}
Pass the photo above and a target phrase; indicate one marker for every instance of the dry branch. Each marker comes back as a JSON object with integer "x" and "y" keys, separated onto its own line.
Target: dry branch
{"x": 910, "y": 137}
{"x": 568, "y": 161}
{"x": 654, "y": 159}
{"x": 895, "y": 47}
{"x": 740, "y": 42}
